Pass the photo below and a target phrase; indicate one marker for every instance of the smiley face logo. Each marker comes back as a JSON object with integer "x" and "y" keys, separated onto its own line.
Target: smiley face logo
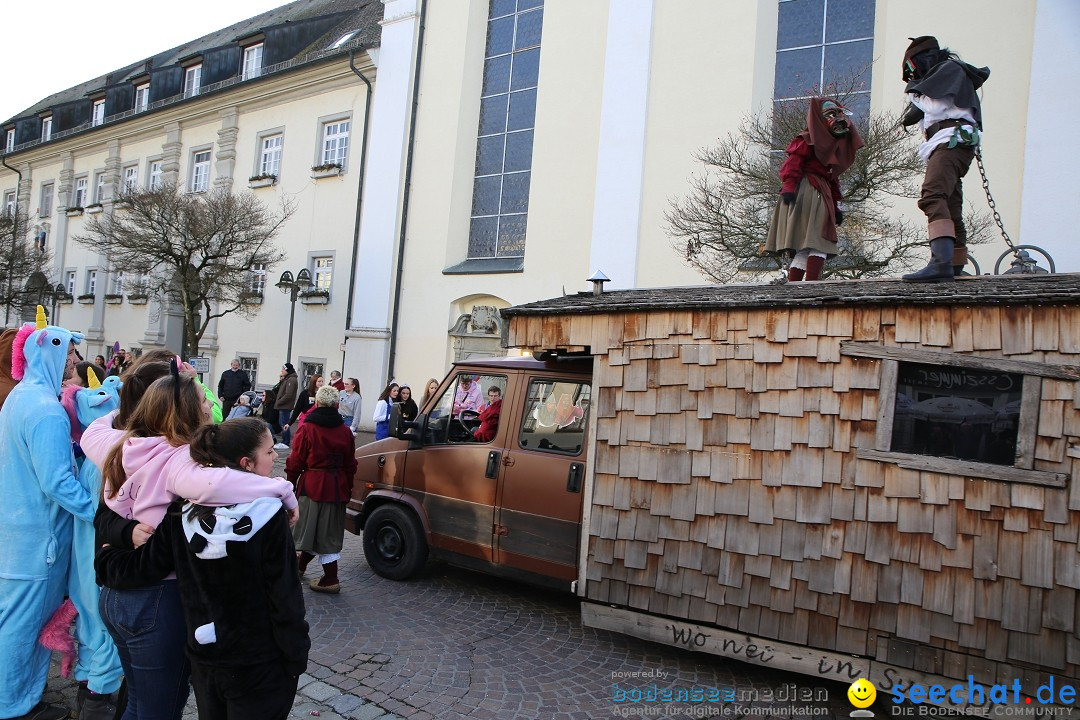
{"x": 862, "y": 693}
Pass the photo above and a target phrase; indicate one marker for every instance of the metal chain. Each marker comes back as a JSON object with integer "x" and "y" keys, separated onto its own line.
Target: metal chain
{"x": 990, "y": 201}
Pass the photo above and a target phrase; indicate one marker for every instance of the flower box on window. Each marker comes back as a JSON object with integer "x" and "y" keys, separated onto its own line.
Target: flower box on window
{"x": 66, "y": 299}
{"x": 74, "y": 211}
{"x": 94, "y": 208}
{"x": 137, "y": 298}
{"x": 251, "y": 298}
{"x": 261, "y": 181}
{"x": 86, "y": 299}
{"x": 315, "y": 297}
{"x": 122, "y": 204}
{"x": 114, "y": 298}
{"x": 326, "y": 170}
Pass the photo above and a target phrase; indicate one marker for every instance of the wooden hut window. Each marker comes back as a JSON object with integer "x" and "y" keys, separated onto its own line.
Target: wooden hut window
{"x": 957, "y": 413}
{"x": 916, "y": 431}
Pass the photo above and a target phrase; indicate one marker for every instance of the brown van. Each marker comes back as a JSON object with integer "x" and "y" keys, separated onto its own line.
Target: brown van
{"x": 497, "y": 489}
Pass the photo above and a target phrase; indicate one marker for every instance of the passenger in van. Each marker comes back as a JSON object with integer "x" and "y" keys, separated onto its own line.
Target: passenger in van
{"x": 467, "y": 396}
{"x": 489, "y": 416}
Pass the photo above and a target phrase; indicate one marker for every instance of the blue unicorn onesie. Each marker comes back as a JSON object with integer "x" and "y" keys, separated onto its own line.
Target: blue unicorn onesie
{"x": 41, "y": 494}
{"x": 99, "y": 664}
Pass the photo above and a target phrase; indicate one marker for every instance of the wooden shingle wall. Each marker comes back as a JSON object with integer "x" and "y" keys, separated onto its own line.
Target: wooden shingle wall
{"x": 727, "y": 491}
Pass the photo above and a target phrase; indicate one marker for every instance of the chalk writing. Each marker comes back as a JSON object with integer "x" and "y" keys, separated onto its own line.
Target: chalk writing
{"x": 826, "y": 667}
{"x": 935, "y": 377}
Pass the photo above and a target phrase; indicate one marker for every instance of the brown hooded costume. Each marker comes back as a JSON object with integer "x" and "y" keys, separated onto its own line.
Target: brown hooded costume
{"x": 816, "y": 159}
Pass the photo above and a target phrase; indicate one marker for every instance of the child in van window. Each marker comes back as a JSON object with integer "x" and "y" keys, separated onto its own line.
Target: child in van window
{"x": 247, "y": 639}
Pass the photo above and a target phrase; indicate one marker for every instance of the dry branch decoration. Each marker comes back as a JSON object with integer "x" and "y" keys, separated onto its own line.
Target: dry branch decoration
{"x": 720, "y": 223}
{"x": 194, "y": 251}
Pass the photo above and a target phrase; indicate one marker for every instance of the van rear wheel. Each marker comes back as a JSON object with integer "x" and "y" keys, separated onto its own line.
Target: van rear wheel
{"x": 394, "y": 543}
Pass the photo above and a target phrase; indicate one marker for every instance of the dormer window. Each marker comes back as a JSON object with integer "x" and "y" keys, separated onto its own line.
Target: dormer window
{"x": 142, "y": 97}
{"x": 252, "y": 62}
{"x": 192, "y": 80}
{"x": 46, "y": 129}
{"x": 97, "y": 114}
{"x": 9, "y": 142}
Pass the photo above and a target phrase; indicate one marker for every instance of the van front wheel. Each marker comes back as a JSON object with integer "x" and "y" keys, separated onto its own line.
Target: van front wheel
{"x": 394, "y": 543}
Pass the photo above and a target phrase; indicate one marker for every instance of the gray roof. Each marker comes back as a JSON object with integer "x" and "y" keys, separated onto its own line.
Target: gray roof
{"x": 1015, "y": 289}
{"x": 363, "y": 15}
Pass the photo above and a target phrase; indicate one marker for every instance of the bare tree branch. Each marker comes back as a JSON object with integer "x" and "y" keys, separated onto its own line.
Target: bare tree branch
{"x": 194, "y": 250}
{"x": 24, "y": 265}
{"x": 721, "y": 222}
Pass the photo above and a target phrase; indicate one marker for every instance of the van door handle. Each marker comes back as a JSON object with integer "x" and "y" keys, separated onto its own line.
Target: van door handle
{"x": 573, "y": 481}
{"x": 492, "y": 470}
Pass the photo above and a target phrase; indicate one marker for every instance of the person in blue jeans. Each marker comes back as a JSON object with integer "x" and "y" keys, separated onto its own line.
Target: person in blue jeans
{"x": 284, "y": 401}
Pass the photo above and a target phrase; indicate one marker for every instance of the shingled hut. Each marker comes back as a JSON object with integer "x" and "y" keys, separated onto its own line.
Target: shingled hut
{"x": 842, "y": 478}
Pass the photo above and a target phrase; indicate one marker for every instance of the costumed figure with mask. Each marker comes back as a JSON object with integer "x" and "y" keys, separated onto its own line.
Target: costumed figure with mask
{"x": 98, "y": 668}
{"x": 41, "y": 494}
{"x": 804, "y": 223}
{"x": 946, "y": 108}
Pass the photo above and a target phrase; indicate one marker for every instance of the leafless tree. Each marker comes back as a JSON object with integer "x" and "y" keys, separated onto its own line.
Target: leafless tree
{"x": 24, "y": 266}
{"x": 721, "y": 223}
{"x": 197, "y": 251}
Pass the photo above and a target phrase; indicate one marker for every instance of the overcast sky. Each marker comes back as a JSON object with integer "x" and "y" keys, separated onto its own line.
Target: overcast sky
{"x": 50, "y": 46}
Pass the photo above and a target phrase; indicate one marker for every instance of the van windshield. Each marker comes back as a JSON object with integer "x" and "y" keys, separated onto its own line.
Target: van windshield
{"x": 468, "y": 411}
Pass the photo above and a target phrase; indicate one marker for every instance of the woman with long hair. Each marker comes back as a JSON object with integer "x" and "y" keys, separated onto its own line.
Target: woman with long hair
{"x": 350, "y": 403}
{"x": 430, "y": 388}
{"x": 409, "y": 411}
{"x": 145, "y": 467}
{"x": 305, "y": 401}
{"x": 381, "y": 417}
{"x": 249, "y": 594}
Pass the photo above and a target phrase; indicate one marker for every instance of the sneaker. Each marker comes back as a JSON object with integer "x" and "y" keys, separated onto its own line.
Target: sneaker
{"x": 281, "y": 446}
{"x": 44, "y": 711}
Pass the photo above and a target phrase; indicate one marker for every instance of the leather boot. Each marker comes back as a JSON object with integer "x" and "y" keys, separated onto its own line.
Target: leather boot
{"x": 814, "y": 264}
{"x": 940, "y": 266}
{"x": 794, "y": 274}
{"x": 302, "y": 560}
{"x": 44, "y": 711}
{"x": 98, "y": 707}
{"x": 328, "y": 583}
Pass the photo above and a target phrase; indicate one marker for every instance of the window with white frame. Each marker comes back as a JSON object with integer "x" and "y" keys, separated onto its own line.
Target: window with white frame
{"x": 322, "y": 272}
{"x": 9, "y": 203}
{"x": 46, "y": 129}
{"x": 118, "y": 282}
{"x": 154, "y": 175}
{"x": 252, "y": 62}
{"x": 250, "y": 365}
{"x": 192, "y": 80}
{"x": 45, "y": 207}
{"x": 97, "y": 113}
{"x": 69, "y": 282}
{"x": 200, "y": 171}
{"x": 91, "y": 282}
{"x": 9, "y": 143}
{"x": 821, "y": 47}
{"x": 99, "y": 187}
{"x": 270, "y": 155}
{"x": 258, "y": 278}
{"x": 503, "y": 169}
{"x": 79, "y": 196}
{"x": 142, "y": 97}
{"x": 335, "y": 142}
{"x": 131, "y": 178}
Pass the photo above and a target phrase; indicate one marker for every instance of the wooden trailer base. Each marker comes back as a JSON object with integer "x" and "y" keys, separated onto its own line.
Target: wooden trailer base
{"x": 784, "y": 656}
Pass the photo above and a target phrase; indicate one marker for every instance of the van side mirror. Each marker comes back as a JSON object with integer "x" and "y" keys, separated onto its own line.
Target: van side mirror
{"x": 400, "y": 428}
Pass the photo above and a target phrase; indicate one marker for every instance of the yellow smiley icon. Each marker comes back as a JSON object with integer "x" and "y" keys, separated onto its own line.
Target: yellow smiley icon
{"x": 862, "y": 693}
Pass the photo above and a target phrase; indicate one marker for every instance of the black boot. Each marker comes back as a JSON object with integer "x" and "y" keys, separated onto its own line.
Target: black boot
{"x": 940, "y": 266}
{"x": 98, "y": 707}
{"x": 44, "y": 711}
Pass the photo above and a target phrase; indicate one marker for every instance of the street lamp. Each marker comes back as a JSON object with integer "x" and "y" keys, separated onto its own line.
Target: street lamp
{"x": 53, "y": 295}
{"x": 293, "y": 287}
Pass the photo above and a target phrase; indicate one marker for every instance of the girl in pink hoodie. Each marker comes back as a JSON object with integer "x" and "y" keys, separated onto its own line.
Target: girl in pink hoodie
{"x": 144, "y": 469}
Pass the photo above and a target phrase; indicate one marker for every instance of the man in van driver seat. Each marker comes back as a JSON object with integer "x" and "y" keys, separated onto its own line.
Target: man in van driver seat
{"x": 467, "y": 396}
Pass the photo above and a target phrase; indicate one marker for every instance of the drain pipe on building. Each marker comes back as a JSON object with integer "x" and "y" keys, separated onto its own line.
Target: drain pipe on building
{"x": 359, "y": 200}
{"x": 14, "y": 231}
{"x": 405, "y": 196}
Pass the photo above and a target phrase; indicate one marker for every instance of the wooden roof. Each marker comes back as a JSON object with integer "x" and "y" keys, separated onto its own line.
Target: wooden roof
{"x": 1049, "y": 289}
